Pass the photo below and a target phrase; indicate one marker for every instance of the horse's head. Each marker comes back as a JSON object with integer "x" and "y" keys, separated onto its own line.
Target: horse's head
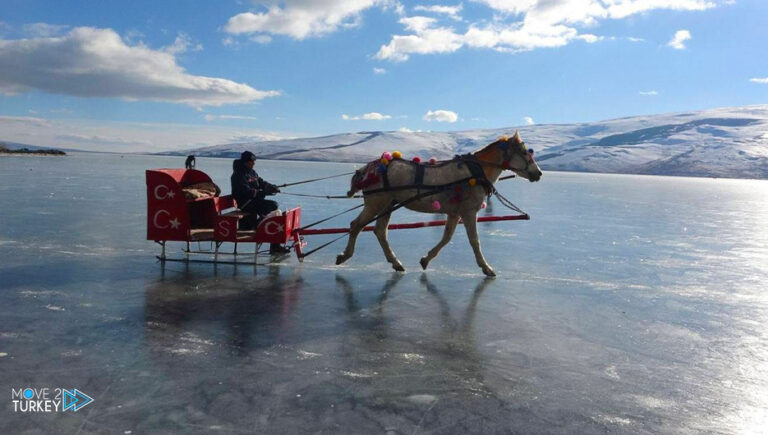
{"x": 519, "y": 158}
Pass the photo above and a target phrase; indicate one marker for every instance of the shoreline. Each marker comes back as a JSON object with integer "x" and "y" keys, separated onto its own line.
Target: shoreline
{"x": 33, "y": 153}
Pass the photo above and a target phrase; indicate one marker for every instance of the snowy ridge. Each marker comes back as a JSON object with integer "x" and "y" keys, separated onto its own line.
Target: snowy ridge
{"x": 728, "y": 142}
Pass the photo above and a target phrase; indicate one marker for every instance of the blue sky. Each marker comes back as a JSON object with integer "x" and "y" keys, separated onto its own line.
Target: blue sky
{"x": 154, "y": 75}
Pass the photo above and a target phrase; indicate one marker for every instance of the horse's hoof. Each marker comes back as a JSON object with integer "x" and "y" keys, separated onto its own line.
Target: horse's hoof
{"x": 340, "y": 259}
{"x": 424, "y": 263}
{"x": 398, "y": 267}
{"x": 489, "y": 272}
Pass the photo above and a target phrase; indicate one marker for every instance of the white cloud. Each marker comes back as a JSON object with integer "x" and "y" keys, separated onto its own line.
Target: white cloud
{"x": 678, "y": 41}
{"x": 182, "y": 44}
{"x": 379, "y": 70}
{"x": 229, "y": 42}
{"x": 763, "y": 80}
{"x": 372, "y": 116}
{"x": 91, "y": 62}
{"x": 26, "y": 120}
{"x": 517, "y": 37}
{"x": 633, "y": 39}
{"x": 528, "y": 120}
{"x": 210, "y": 117}
{"x": 300, "y": 19}
{"x": 521, "y": 25}
{"x": 589, "y": 11}
{"x": 649, "y": 93}
{"x": 425, "y": 40}
{"x": 404, "y": 130}
{"x": 261, "y": 39}
{"x": 441, "y": 116}
{"x": 451, "y": 11}
{"x": 44, "y": 30}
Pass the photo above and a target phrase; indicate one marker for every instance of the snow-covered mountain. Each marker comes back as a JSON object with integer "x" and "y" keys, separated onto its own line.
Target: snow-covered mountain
{"x": 728, "y": 142}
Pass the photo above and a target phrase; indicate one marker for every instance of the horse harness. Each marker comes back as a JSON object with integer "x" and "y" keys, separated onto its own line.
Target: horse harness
{"x": 473, "y": 164}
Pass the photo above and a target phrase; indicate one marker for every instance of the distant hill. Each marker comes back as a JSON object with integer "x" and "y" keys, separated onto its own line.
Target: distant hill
{"x": 728, "y": 142}
{"x": 18, "y": 148}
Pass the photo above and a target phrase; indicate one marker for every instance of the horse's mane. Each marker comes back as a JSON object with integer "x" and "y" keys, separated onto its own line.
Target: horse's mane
{"x": 503, "y": 138}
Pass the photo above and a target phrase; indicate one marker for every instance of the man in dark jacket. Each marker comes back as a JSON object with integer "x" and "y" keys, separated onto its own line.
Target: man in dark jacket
{"x": 249, "y": 191}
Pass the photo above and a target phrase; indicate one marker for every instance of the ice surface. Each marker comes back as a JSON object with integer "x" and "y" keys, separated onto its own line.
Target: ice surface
{"x": 628, "y": 304}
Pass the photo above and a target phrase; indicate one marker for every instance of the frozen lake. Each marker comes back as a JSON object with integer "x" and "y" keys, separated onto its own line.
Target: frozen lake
{"x": 628, "y": 304}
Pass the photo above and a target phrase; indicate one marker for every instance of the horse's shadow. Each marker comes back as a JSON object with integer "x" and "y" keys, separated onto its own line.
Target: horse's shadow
{"x": 466, "y": 323}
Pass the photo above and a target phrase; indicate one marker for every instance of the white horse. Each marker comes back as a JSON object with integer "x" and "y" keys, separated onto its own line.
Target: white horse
{"x": 455, "y": 187}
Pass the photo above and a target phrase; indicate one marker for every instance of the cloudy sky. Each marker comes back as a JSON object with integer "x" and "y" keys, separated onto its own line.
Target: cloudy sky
{"x": 174, "y": 74}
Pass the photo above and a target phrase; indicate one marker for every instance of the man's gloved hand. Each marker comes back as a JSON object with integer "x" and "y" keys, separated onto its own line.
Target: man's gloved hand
{"x": 271, "y": 189}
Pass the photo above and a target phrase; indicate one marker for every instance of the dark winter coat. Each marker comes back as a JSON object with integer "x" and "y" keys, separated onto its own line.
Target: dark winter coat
{"x": 247, "y": 185}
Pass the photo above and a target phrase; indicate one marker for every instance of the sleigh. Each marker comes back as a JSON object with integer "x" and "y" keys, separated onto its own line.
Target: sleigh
{"x": 179, "y": 210}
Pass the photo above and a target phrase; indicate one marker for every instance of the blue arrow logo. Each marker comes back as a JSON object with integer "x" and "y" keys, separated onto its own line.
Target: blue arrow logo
{"x": 75, "y": 399}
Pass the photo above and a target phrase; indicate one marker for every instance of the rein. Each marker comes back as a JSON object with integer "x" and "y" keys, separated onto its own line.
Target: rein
{"x": 315, "y": 179}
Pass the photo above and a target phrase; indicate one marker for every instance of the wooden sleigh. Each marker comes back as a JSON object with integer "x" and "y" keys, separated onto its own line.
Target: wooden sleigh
{"x": 172, "y": 215}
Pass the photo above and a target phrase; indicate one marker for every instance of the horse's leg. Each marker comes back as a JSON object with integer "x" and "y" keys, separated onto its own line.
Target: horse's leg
{"x": 450, "y": 227}
{"x": 369, "y": 212}
{"x": 470, "y": 224}
{"x": 381, "y": 233}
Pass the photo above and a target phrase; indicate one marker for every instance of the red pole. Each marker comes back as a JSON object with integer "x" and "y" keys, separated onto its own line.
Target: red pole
{"x": 440, "y": 223}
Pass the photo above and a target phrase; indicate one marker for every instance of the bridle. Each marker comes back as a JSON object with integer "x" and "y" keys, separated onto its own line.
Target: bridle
{"x": 525, "y": 153}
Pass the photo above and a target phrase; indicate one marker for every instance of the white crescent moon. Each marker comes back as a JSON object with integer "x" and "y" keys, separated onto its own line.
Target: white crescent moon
{"x": 154, "y": 219}
{"x": 157, "y": 194}
{"x": 266, "y": 228}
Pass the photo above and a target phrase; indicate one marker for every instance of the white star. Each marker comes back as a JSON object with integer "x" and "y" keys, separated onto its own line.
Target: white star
{"x": 171, "y": 194}
{"x": 174, "y": 223}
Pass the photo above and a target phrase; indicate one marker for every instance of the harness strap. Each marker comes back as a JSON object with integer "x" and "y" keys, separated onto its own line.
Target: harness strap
{"x": 384, "y": 180}
{"x": 419, "y": 178}
{"x": 413, "y": 186}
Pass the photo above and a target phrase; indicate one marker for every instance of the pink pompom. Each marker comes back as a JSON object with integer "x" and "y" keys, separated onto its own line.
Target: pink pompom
{"x": 436, "y": 205}
{"x": 386, "y": 155}
{"x": 483, "y": 205}
{"x": 417, "y": 159}
{"x": 432, "y": 161}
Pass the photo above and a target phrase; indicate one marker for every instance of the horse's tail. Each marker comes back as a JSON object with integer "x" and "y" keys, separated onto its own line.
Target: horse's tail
{"x": 361, "y": 179}
{"x": 354, "y": 184}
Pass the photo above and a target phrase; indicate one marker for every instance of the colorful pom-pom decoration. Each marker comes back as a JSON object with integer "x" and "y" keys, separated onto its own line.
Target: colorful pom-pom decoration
{"x": 483, "y": 205}
{"x": 417, "y": 159}
{"x": 384, "y": 161}
{"x": 436, "y": 205}
{"x": 432, "y": 161}
{"x": 397, "y": 155}
{"x": 472, "y": 182}
{"x": 386, "y": 155}
{"x": 382, "y": 167}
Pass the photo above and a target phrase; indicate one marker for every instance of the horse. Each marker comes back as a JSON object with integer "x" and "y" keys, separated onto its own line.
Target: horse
{"x": 455, "y": 187}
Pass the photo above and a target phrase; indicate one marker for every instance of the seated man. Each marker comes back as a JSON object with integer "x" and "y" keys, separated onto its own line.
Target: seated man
{"x": 249, "y": 191}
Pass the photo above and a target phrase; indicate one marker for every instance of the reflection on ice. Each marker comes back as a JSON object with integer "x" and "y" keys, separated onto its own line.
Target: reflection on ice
{"x": 627, "y": 304}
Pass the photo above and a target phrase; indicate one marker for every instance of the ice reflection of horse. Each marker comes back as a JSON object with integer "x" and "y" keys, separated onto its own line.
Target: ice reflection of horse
{"x": 459, "y": 187}
{"x": 431, "y": 361}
